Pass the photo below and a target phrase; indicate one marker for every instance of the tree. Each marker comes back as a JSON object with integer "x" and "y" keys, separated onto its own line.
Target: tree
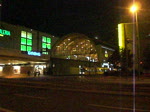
{"x": 115, "y": 58}
{"x": 123, "y": 58}
{"x": 146, "y": 58}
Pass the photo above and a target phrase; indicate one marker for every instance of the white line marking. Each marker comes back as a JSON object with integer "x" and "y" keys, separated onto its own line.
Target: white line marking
{"x": 120, "y": 108}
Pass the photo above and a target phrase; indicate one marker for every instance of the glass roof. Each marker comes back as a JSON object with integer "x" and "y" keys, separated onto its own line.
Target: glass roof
{"x": 75, "y": 46}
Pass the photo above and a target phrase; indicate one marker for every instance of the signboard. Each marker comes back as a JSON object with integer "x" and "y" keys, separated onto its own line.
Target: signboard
{"x": 4, "y": 32}
{"x": 33, "y": 53}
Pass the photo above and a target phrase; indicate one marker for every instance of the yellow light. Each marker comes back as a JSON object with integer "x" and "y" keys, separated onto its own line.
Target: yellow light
{"x": 121, "y": 38}
{"x": 134, "y": 8}
{"x": 1, "y": 35}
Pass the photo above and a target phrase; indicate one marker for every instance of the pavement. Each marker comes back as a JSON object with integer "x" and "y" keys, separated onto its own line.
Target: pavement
{"x": 92, "y": 78}
{"x": 123, "y": 80}
{"x": 5, "y": 110}
{"x": 142, "y": 80}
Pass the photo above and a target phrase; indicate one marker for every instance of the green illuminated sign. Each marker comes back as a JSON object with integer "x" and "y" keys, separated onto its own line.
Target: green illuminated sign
{"x": 4, "y": 32}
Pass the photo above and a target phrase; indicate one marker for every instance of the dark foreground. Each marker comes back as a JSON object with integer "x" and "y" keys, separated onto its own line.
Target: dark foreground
{"x": 72, "y": 94}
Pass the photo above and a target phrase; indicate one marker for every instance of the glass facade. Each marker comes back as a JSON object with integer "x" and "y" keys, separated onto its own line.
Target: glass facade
{"x": 46, "y": 44}
{"x": 26, "y": 41}
{"x": 77, "y": 48}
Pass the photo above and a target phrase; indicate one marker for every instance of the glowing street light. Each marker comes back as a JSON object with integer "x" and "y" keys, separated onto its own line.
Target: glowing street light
{"x": 136, "y": 47}
{"x": 134, "y": 8}
{"x": 136, "y": 41}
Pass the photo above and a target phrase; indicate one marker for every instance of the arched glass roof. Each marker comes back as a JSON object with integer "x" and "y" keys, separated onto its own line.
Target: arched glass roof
{"x": 77, "y": 47}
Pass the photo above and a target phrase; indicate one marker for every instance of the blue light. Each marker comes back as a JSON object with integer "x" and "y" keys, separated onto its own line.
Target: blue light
{"x": 34, "y": 53}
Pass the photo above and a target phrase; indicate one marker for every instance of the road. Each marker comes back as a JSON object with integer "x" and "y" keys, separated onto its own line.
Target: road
{"x": 70, "y": 95}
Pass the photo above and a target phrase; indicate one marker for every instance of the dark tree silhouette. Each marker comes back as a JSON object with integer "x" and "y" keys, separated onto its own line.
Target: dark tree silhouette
{"x": 146, "y": 58}
{"x": 123, "y": 58}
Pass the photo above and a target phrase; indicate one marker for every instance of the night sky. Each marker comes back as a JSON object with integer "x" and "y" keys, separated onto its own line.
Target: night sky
{"x": 60, "y": 17}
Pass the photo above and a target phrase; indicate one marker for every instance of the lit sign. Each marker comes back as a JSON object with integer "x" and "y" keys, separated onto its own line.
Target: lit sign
{"x": 121, "y": 36}
{"x": 34, "y": 53}
{"x": 4, "y": 32}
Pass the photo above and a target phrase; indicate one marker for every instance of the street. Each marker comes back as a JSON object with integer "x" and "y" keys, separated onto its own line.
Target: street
{"x": 70, "y": 95}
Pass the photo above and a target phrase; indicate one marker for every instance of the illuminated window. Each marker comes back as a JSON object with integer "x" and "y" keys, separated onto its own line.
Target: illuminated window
{"x": 29, "y": 42}
{"x": 23, "y": 34}
{"x": 26, "y": 41}
{"x": 23, "y": 40}
{"x": 43, "y": 39}
{"x": 46, "y": 44}
{"x": 49, "y": 46}
{"x": 106, "y": 54}
{"x": 48, "y": 40}
{"x": 23, "y": 48}
{"x": 29, "y": 35}
{"x": 29, "y": 48}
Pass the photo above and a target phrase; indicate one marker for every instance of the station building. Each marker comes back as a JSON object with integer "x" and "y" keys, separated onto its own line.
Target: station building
{"x": 24, "y": 49}
{"x": 73, "y": 52}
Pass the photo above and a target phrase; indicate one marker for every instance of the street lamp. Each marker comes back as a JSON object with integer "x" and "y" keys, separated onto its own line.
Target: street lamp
{"x": 136, "y": 50}
{"x": 136, "y": 41}
{"x": 134, "y": 8}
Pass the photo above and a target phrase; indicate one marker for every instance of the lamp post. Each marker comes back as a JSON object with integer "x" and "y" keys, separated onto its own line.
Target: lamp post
{"x": 136, "y": 41}
{"x": 136, "y": 53}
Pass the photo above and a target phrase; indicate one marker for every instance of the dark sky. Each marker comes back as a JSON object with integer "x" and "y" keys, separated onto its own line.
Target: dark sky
{"x": 61, "y": 17}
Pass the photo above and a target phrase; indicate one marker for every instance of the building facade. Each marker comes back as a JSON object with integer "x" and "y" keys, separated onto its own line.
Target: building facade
{"x": 23, "y": 50}
{"x": 27, "y": 51}
{"x": 75, "y": 51}
{"x": 126, "y": 32}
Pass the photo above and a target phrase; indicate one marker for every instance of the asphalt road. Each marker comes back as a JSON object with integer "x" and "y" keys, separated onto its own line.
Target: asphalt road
{"x": 71, "y": 95}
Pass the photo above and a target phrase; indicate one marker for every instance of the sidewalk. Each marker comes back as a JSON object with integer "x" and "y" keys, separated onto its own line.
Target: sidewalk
{"x": 5, "y": 110}
{"x": 142, "y": 83}
{"x": 104, "y": 79}
{"x": 123, "y": 80}
{"x": 20, "y": 76}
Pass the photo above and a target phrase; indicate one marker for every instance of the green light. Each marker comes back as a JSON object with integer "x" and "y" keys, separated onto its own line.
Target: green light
{"x": 49, "y": 46}
{"x": 29, "y": 48}
{"x": 44, "y": 39}
{"x": 29, "y": 35}
{"x": 26, "y": 39}
{"x": 43, "y": 45}
{"x": 46, "y": 43}
{"x": 48, "y": 40}
{"x": 23, "y": 48}
{"x": 106, "y": 55}
{"x": 23, "y": 41}
{"x": 23, "y": 34}
{"x": 44, "y": 52}
{"x": 4, "y": 32}
{"x": 29, "y": 42}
